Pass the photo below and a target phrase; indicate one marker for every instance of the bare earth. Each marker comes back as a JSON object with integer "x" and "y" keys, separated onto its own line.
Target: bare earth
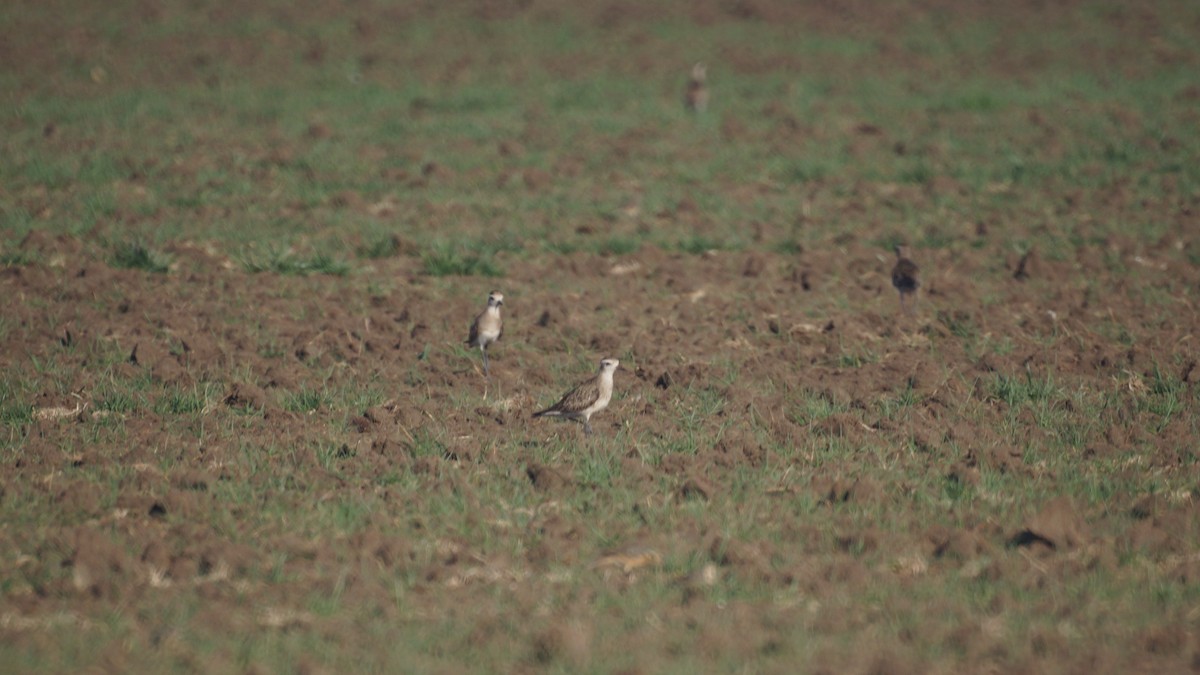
{"x": 751, "y": 494}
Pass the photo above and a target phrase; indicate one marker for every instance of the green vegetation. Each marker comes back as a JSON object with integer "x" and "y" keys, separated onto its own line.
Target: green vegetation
{"x": 135, "y": 256}
{"x": 281, "y": 261}
{"x": 273, "y": 452}
{"x": 446, "y": 259}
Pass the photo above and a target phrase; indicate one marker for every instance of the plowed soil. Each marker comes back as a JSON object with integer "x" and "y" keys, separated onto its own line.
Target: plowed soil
{"x": 213, "y": 469}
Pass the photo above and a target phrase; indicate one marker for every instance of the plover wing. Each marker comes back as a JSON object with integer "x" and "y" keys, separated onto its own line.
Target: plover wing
{"x": 904, "y": 275}
{"x": 577, "y": 401}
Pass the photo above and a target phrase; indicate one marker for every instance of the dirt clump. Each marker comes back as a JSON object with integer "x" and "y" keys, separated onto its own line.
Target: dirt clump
{"x": 1058, "y": 526}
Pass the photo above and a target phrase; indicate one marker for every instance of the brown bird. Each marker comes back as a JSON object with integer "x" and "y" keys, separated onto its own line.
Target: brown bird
{"x": 1025, "y": 265}
{"x": 586, "y": 399}
{"x": 487, "y": 327}
{"x": 695, "y": 97}
{"x": 904, "y": 279}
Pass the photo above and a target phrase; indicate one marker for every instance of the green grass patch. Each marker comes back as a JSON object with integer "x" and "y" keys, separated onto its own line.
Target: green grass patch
{"x": 386, "y": 246}
{"x": 448, "y": 259}
{"x": 137, "y": 256}
{"x": 305, "y": 400}
{"x": 847, "y": 479}
{"x": 285, "y": 261}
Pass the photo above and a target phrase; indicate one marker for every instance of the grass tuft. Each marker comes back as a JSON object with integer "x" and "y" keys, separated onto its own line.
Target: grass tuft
{"x": 16, "y": 414}
{"x": 17, "y": 258}
{"x": 383, "y": 247}
{"x": 175, "y": 402}
{"x": 283, "y": 261}
{"x": 617, "y": 245}
{"x": 699, "y": 244}
{"x": 443, "y": 260}
{"x": 136, "y": 256}
{"x": 305, "y": 400}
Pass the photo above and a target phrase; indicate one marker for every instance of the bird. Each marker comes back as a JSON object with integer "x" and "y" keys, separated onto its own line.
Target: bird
{"x": 695, "y": 97}
{"x": 1025, "y": 265}
{"x": 487, "y": 328}
{"x": 904, "y": 279}
{"x": 586, "y": 399}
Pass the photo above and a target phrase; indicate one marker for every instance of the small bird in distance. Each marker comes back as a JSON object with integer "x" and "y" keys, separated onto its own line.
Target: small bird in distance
{"x": 695, "y": 97}
{"x": 487, "y": 328}
{"x": 586, "y": 399}
{"x": 905, "y": 281}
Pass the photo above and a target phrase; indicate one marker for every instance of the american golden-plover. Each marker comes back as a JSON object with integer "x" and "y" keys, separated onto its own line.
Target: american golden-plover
{"x": 695, "y": 97}
{"x": 487, "y": 328}
{"x": 904, "y": 279}
{"x": 587, "y": 399}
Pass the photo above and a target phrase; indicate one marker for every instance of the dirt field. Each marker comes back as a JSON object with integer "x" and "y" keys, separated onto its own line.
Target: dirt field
{"x": 241, "y": 432}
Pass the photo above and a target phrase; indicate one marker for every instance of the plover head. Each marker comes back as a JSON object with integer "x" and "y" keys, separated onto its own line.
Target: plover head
{"x": 699, "y": 72}
{"x": 609, "y": 365}
{"x": 495, "y": 299}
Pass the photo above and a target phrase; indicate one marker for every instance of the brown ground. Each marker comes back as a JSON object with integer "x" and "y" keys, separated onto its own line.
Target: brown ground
{"x": 760, "y": 312}
{"x": 158, "y": 542}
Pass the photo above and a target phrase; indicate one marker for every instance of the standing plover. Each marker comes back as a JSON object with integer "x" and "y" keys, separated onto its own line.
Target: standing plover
{"x": 904, "y": 278}
{"x": 487, "y": 328}
{"x": 587, "y": 399}
{"x": 695, "y": 97}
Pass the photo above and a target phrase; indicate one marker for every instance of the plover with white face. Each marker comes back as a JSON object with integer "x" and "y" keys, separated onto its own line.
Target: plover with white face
{"x": 904, "y": 279}
{"x": 487, "y": 327}
{"x": 586, "y": 399}
{"x": 695, "y": 97}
